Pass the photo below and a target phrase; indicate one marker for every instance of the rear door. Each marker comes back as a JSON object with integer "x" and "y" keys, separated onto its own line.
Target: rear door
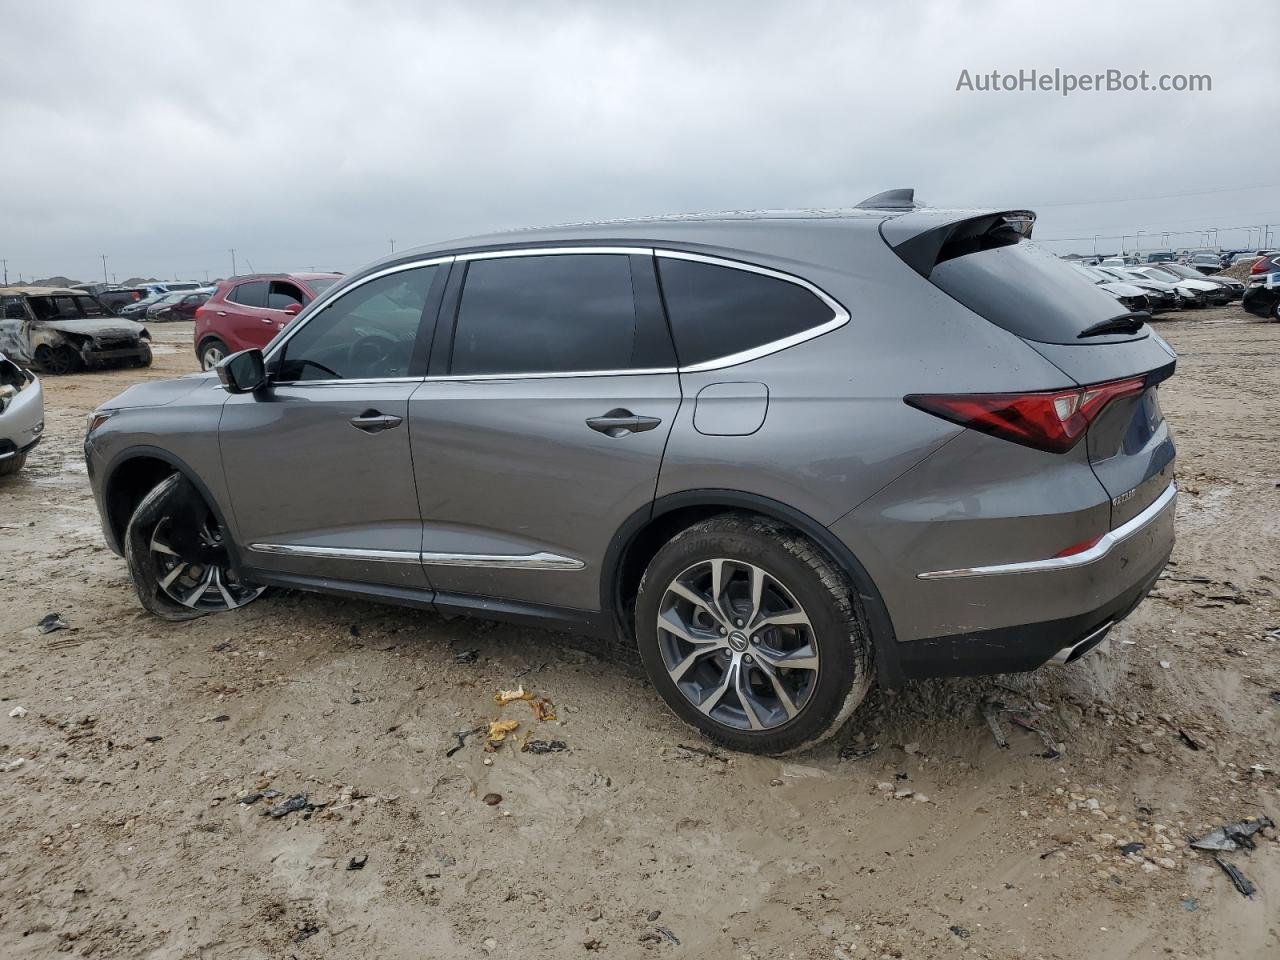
{"x": 542, "y": 426}
{"x": 318, "y": 465}
{"x": 1000, "y": 275}
{"x": 240, "y": 318}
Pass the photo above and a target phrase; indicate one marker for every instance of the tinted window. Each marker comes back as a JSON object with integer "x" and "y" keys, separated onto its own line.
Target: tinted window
{"x": 322, "y": 283}
{"x": 552, "y": 314}
{"x": 368, "y": 333}
{"x": 716, "y": 311}
{"x": 1027, "y": 291}
{"x": 251, "y": 294}
{"x": 282, "y": 295}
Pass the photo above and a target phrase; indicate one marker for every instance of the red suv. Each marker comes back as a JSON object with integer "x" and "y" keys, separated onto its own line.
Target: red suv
{"x": 249, "y": 311}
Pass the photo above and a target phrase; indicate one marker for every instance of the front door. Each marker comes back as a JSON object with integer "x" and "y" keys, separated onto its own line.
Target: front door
{"x": 545, "y": 427}
{"x": 318, "y": 464}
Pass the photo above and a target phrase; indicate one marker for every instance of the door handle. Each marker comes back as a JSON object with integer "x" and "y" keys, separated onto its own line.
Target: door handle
{"x": 371, "y": 421}
{"x": 266, "y": 320}
{"x": 222, "y": 313}
{"x": 620, "y": 422}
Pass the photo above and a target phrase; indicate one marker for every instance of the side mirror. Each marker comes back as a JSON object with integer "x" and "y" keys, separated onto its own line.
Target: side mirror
{"x": 243, "y": 372}
{"x": 293, "y": 309}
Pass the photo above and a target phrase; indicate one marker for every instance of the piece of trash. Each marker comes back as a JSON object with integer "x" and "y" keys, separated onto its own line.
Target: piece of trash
{"x": 543, "y": 709}
{"x": 221, "y": 718}
{"x": 1049, "y": 853}
{"x": 305, "y": 933}
{"x": 990, "y": 710}
{"x": 492, "y": 799}
{"x": 993, "y": 709}
{"x": 1134, "y": 847}
{"x": 853, "y": 752}
{"x": 1190, "y": 903}
{"x": 503, "y": 697}
{"x": 1242, "y": 883}
{"x": 12, "y": 765}
{"x": 466, "y": 656}
{"x": 1164, "y": 664}
{"x": 1275, "y": 695}
{"x": 959, "y": 931}
{"x": 543, "y": 746}
{"x": 498, "y": 729}
{"x": 461, "y": 736}
{"x": 1189, "y": 740}
{"x": 357, "y": 862}
{"x": 705, "y": 751}
{"x": 249, "y": 799}
{"x": 19, "y": 712}
{"x": 1232, "y": 836}
{"x": 153, "y": 738}
{"x": 51, "y": 622}
{"x": 222, "y": 647}
{"x": 357, "y": 697}
{"x": 669, "y": 935}
{"x": 291, "y": 805}
{"x": 653, "y": 915}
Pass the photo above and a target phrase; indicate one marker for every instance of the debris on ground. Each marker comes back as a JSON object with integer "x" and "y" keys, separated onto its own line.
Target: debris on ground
{"x": 653, "y": 915}
{"x": 19, "y": 712}
{"x": 542, "y": 746}
{"x": 466, "y": 656}
{"x": 154, "y": 738}
{"x": 666, "y": 932}
{"x": 1242, "y": 883}
{"x": 461, "y": 737}
{"x": 498, "y": 729}
{"x": 503, "y": 697}
{"x": 290, "y": 805}
{"x": 959, "y": 931}
{"x": 249, "y": 799}
{"x": 993, "y": 710}
{"x": 1130, "y": 848}
{"x": 1232, "y": 836}
{"x": 543, "y": 709}
{"x": 1189, "y": 740}
{"x": 12, "y": 765}
{"x": 305, "y": 933}
{"x": 1190, "y": 903}
{"x": 51, "y": 622}
{"x": 492, "y": 799}
{"x": 358, "y": 697}
{"x": 358, "y": 861}
{"x": 853, "y": 751}
{"x": 704, "y": 751}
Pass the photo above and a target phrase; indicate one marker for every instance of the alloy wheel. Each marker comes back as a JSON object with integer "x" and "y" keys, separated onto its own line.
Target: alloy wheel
{"x": 737, "y": 644}
{"x": 211, "y": 357}
{"x": 206, "y": 584}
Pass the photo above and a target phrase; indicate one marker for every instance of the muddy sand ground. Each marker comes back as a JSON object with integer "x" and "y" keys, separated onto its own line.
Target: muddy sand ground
{"x": 121, "y": 834}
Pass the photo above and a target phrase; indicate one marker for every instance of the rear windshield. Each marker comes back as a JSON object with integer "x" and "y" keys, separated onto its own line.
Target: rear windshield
{"x": 322, "y": 283}
{"x": 1029, "y": 292}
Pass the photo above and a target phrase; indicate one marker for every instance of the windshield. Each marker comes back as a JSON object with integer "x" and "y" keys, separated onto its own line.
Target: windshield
{"x": 67, "y": 307}
{"x": 1182, "y": 270}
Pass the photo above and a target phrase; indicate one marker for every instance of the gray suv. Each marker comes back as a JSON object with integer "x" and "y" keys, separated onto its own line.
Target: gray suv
{"x": 781, "y": 453}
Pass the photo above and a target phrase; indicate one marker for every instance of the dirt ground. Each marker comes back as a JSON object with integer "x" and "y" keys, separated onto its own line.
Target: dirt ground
{"x": 121, "y": 834}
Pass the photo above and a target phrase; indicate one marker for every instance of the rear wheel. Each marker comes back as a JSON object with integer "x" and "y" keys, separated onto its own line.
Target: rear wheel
{"x": 178, "y": 558}
{"x": 212, "y": 352}
{"x": 752, "y": 635}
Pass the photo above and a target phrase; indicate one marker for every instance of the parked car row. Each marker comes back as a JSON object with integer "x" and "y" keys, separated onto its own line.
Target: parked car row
{"x": 1203, "y": 261}
{"x": 1168, "y": 286}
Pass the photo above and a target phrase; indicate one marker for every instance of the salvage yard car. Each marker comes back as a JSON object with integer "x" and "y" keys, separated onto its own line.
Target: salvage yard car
{"x": 781, "y": 453}
{"x": 61, "y": 331}
{"x": 248, "y": 311}
{"x": 21, "y": 415}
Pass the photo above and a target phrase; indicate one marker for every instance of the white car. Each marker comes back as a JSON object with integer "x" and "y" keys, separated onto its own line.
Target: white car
{"x": 21, "y": 415}
{"x": 1198, "y": 292}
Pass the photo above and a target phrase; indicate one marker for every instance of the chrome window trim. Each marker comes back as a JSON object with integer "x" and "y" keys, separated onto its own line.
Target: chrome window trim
{"x": 541, "y": 560}
{"x": 840, "y": 316}
{"x": 1095, "y": 553}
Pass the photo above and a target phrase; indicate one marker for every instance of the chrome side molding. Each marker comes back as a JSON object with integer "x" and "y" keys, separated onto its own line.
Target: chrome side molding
{"x": 542, "y": 560}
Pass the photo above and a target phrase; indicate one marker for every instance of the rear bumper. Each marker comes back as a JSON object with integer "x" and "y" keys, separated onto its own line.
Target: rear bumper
{"x": 1079, "y": 599}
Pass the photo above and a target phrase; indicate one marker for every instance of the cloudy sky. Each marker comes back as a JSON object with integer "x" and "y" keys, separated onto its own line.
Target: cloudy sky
{"x": 312, "y": 134}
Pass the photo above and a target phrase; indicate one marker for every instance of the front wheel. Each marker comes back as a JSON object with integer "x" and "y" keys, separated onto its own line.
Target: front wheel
{"x": 11, "y": 465}
{"x": 752, "y": 635}
{"x": 177, "y": 555}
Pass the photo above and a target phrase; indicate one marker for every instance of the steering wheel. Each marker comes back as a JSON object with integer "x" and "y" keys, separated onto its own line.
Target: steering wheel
{"x": 370, "y": 356}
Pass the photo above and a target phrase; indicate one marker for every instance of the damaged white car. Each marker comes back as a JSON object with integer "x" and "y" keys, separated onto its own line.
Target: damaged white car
{"x": 61, "y": 331}
{"x": 21, "y": 415}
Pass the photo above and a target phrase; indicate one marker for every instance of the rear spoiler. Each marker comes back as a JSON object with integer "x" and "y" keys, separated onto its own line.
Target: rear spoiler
{"x": 924, "y": 238}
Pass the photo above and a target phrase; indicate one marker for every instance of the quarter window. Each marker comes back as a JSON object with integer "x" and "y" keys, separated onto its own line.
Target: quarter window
{"x": 369, "y": 333}
{"x": 251, "y": 294}
{"x": 561, "y": 313}
{"x": 716, "y": 311}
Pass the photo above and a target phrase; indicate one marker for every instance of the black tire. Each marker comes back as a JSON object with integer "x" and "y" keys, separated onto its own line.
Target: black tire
{"x": 214, "y": 345}
{"x": 12, "y": 465}
{"x": 846, "y": 665}
{"x": 57, "y": 361}
{"x": 175, "y": 503}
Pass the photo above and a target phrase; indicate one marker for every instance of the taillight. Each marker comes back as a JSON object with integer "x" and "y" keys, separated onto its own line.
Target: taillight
{"x": 1053, "y": 420}
{"x": 1261, "y": 265}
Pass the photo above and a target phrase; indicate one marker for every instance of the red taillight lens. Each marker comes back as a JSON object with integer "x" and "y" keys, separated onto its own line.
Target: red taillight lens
{"x": 1080, "y": 547}
{"x": 1052, "y": 420}
{"x": 1261, "y": 265}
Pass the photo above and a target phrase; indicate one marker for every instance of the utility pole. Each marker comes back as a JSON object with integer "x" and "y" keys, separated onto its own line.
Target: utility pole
{"x": 232, "y": 251}
{"x": 104, "y": 268}
{"x": 393, "y": 245}
{"x": 6, "y": 271}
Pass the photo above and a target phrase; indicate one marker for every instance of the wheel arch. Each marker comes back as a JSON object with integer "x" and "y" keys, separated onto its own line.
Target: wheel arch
{"x": 646, "y": 530}
{"x": 133, "y": 473}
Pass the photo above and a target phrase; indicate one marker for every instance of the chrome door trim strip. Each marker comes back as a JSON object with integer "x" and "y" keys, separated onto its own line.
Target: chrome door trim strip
{"x": 551, "y": 252}
{"x": 337, "y": 553}
{"x": 1095, "y": 553}
{"x": 542, "y": 560}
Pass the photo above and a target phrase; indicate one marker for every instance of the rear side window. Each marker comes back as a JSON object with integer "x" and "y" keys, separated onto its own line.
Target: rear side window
{"x": 251, "y": 294}
{"x": 717, "y": 311}
{"x": 562, "y": 313}
{"x": 1028, "y": 291}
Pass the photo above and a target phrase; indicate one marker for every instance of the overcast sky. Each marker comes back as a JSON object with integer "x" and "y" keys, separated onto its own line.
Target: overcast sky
{"x": 311, "y": 134}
